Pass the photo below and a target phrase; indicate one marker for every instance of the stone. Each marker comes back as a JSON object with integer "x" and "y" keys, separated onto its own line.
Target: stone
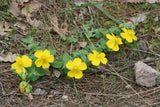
{"x": 53, "y": 92}
{"x": 145, "y": 75}
{"x": 39, "y": 91}
{"x": 65, "y": 97}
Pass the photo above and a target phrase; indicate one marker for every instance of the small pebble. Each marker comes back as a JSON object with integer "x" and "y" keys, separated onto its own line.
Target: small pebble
{"x": 65, "y": 97}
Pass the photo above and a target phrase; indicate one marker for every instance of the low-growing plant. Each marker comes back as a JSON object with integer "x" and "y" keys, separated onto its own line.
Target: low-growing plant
{"x": 33, "y": 65}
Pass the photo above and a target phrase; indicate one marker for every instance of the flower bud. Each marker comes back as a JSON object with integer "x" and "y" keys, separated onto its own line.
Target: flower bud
{"x": 122, "y": 26}
{"x": 28, "y": 88}
{"x": 23, "y": 76}
{"x": 22, "y": 86}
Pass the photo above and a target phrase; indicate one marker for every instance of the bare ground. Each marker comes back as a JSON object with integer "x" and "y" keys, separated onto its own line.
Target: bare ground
{"x": 98, "y": 88}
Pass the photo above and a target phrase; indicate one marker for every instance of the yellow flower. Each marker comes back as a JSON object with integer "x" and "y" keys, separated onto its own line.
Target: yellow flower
{"x": 21, "y": 63}
{"x": 44, "y": 58}
{"x": 76, "y": 68}
{"x": 129, "y": 35}
{"x": 113, "y": 42}
{"x": 97, "y": 58}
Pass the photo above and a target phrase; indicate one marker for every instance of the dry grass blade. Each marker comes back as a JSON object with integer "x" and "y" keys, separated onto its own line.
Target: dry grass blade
{"x": 137, "y": 1}
{"x": 130, "y": 87}
{"x": 4, "y": 28}
{"x": 33, "y": 8}
{"x": 13, "y": 8}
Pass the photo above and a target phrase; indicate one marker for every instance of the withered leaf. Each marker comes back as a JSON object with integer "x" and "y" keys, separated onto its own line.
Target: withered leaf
{"x": 33, "y": 8}
{"x": 8, "y": 58}
{"x": 13, "y": 8}
{"x": 4, "y": 28}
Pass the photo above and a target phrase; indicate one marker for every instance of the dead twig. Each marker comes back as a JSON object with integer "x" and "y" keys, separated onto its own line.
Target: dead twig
{"x": 130, "y": 87}
{"x": 3, "y": 92}
{"x": 9, "y": 100}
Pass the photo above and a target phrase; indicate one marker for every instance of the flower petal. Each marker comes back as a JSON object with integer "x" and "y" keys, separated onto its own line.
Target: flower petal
{"x": 90, "y": 56}
{"x": 96, "y": 62}
{"x": 18, "y": 70}
{"x": 13, "y": 66}
{"x": 108, "y": 36}
{"x": 123, "y": 35}
{"x": 110, "y": 43}
{"x": 129, "y": 39}
{"x": 104, "y": 60}
{"x": 124, "y": 29}
{"x": 115, "y": 48}
{"x": 77, "y": 61}
{"x": 46, "y": 52}
{"x": 79, "y": 75}
{"x": 38, "y": 62}
{"x": 45, "y": 65}
{"x": 18, "y": 59}
{"x": 134, "y": 37}
{"x": 71, "y": 74}
{"x": 83, "y": 66}
{"x": 69, "y": 65}
{"x": 27, "y": 62}
{"x": 102, "y": 55}
{"x": 50, "y": 59}
{"x": 95, "y": 52}
{"x": 23, "y": 70}
{"x": 38, "y": 53}
{"x": 119, "y": 41}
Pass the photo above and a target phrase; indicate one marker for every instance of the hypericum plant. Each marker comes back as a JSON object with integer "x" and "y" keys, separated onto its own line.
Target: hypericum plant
{"x": 31, "y": 69}
{"x": 44, "y": 58}
{"x": 96, "y": 58}
{"x": 76, "y": 67}
{"x": 113, "y": 42}
{"x": 21, "y": 64}
{"x": 32, "y": 66}
{"x": 129, "y": 35}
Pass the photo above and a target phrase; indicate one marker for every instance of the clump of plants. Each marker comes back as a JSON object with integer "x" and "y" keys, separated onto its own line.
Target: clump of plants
{"x": 31, "y": 66}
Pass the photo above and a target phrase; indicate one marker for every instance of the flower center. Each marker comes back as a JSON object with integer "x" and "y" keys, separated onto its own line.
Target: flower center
{"x": 20, "y": 63}
{"x": 130, "y": 33}
{"x": 43, "y": 58}
{"x": 75, "y": 68}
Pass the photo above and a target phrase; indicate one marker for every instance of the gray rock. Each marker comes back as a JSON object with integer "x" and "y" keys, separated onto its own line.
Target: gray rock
{"x": 65, "y": 97}
{"x": 146, "y": 75}
{"x": 39, "y": 91}
{"x": 53, "y": 92}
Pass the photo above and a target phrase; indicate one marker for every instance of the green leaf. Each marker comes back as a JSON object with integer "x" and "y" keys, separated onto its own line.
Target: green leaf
{"x": 64, "y": 70}
{"x": 98, "y": 33}
{"x": 66, "y": 57}
{"x": 72, "y": 40}
{"x": 53, "y": 51}
{"x": 63, "y": 37}
{"x": 28, "y": 88}
{"x": 83, "y": 51}
{"x": 28, "y": 40}
{"x": 75, "y": 54}
{"x": 27, "y": 10}
{"x": 41, "y": 71}
{"x": 88, "y": 32}
{"x": 33, "y": 45}
{"x": 57, "y": 64}
{"x": 103, "y": 44}
{"x": 92, "y": 47}
{"x": 34, "y": 73}
{"x": 85, "y": 59}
